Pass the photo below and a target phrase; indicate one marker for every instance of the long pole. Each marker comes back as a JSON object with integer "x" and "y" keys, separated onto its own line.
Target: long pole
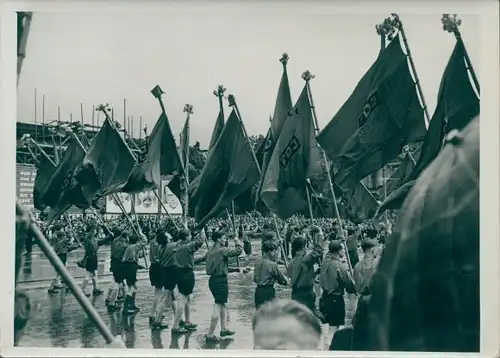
{"x": 81, "y": 112}
{"x": 140, "y": 127}
{"x": 93, "y": 116}
{"x": 62, "y": 271}
{"x": 189, "y": 110}
{"x": 308, "y": 194}
{"x": 36, "y": 107}
{"x": 43, "y": 117}
{"x": 164, "y": 208}
{"x": 232, "y": 103}
{"x": 124, "y": 114}
{"x": 132, "y": 127}
{"x": 307, "y": 76}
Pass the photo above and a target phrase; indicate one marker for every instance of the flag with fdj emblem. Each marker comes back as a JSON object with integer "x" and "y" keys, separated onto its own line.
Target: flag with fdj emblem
{"x": 147, "y": 171}
{"x": 346, "y": 121}
{"x": 295, "y": 158}
{"x": 389, "y": 118}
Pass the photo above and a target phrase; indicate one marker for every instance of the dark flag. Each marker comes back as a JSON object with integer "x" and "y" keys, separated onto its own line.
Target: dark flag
{"x": 175, "y": 184}
{"x": 229, "y": 171}
{"x": 346, "y": 122}
{"x": 146, "y": 172}
{"x": 107, "y": 165}
{"x": 296, "y": 157}
{"x": 360, "y": 205}
{"x": 281, "y": 109}
{"x": 45, "y": 170}
{"x": 403, "y": 171}
{"x": 63, "y": 190}
{"x": 387, "y": 121}
{"x": 457, "y": 105}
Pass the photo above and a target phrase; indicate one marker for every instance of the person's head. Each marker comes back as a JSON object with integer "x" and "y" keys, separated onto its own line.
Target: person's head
{"x": 369, "y": 247}
{"x": 285, "y": 325}
{"x": 133, "y": 239}
{"x": 161, "y": 238}
{"x": 336, "y": 248}
{"x": 298, "y": 245}
{"x": 219, "y": 238}
{"x": 269, "y": 249}
{"x": 184, "y": 235}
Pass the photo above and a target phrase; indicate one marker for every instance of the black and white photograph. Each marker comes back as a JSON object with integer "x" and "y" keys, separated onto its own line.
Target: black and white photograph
{"x": 251, "y": 176}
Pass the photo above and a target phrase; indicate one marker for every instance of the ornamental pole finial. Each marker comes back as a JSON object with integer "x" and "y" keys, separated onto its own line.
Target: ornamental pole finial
{"x": 307, "y": 76}
{"x": 284, "y": 59}
{"x": 232, "y": 100}
{"x": 188, "y": 108}
{"x": 219, "y": 92}
{"x": 451, "y": 23}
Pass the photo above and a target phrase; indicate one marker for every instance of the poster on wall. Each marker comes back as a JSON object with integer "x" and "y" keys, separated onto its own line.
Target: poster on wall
{"x": 112, "y": 206}
{"x": 169, "y": 200}
{"x": 146, "y": 202}
{"x": 25, "y": 182}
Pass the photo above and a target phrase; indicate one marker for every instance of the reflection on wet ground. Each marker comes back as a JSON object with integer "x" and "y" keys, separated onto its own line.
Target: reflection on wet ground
{"x": 58, "y": 320}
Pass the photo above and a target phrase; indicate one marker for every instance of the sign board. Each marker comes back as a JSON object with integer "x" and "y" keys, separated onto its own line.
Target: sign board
{"x": 112, "y": 206}
{"x": 25, "y": 182}
{"x": 169, "y": 200}
{"x": 146, "y": 202}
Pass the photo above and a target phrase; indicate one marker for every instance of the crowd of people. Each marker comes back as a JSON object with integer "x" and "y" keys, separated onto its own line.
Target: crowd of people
{"x": 171, "y": 250}
{"x": 416, "y": 283}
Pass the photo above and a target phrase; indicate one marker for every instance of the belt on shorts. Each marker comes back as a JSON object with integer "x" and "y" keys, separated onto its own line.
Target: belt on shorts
{"x": 298, "y": 289}
{"x": 271, "y": 285}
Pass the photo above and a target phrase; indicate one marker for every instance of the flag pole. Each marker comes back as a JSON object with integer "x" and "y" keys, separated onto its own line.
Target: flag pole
{"x": 451, "y": 24}
{"x": 103, "y": 109}
{"x": 232, "y": 103}
{"x": 387, "y": 28}
{"x": 43, "y": 117}
{"x": 93, "y": 116}
{"x": 308, "y": 194}
{"x": 308, "y": 76}
{"x": 189, "y": 110}
{"x": 62, "y": 271}
{"x": 36, "y": 107}
{"x": 81, "y": 112}
{"x": 140, "y": 127}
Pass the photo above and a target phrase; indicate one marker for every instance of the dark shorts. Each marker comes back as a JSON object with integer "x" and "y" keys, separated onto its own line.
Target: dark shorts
{"x": 332, "y": 307}
{"x": 184, "y": 278}
{"x": 169, "y": 280}
{"x": 130, "y": 273}
{"x": 63, "y": 257}
{"x": 264, "y": 294}
{"x": 116, "y": 268}
{"x": 155, "y": 275}
{"x": 305, "y": 296}
{"x": 91, "y": 265}
{"x": 219, "y": 288}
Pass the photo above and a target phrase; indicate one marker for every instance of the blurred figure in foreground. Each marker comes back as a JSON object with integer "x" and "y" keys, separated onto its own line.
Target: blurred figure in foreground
{"x": 425, "y": 292}
{"x": 285, "y": 325}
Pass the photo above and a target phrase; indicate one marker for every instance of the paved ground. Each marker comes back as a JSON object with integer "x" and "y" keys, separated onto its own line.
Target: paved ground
{"x": 58, "y": 320}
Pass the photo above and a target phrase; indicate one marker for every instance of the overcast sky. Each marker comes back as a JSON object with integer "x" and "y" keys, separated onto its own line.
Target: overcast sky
{"x": 97, "y": 57}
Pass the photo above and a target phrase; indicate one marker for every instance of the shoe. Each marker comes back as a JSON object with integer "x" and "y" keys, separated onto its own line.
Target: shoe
{"x": 182, "y": 323}
{"x": 190, "y": 326}
{"x": 119, "y": 298}
{"x": 53, "y": 290}
{"x": 211, "y": 339}
{"x": 179, "y": 330}
{"x": 106, "y": 302}
{"x": 112, "y": 308}
{"x": 97, "y": 292}
{"x": 86, "y": 294}
{"x": 226, "y": 333}
{"x": 158, "y": 326}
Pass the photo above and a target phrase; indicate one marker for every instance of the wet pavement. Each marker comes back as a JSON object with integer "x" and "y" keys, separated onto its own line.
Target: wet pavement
{"x": 58, "y": 321}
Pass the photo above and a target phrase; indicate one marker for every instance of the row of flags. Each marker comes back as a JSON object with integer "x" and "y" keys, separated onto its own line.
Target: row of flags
{"x": 104, "y": 167}
{"x": 380, "y": 118}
